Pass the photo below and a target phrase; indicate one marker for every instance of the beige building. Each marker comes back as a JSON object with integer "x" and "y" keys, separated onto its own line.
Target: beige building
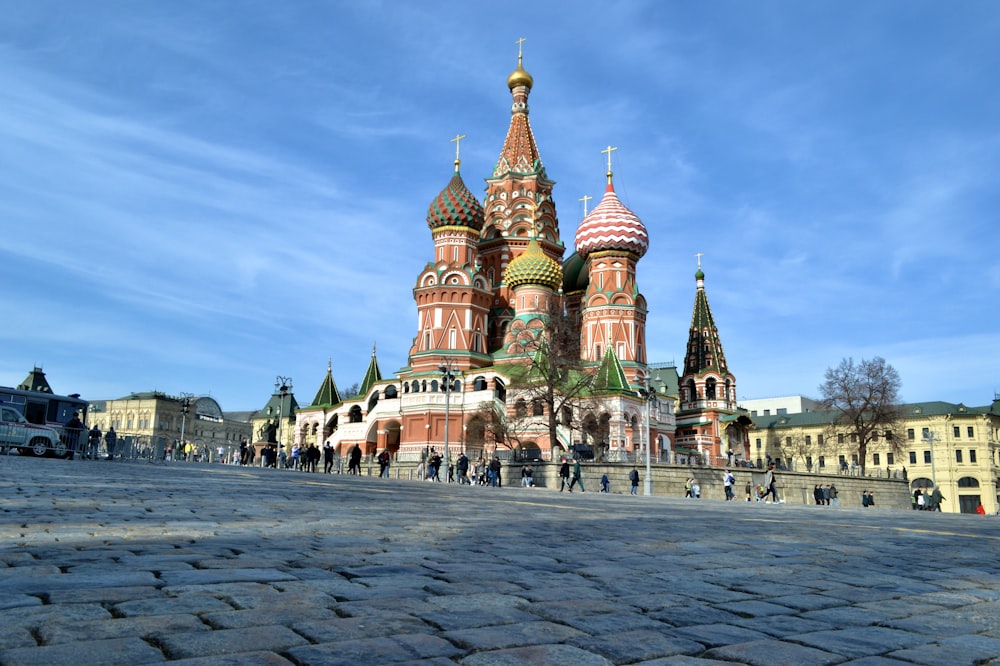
{"x": 151, "y": 420}
{"x": 950, "y": 445}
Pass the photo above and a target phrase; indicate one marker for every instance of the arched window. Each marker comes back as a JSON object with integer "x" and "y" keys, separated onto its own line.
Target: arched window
{"x": 520, "y": 408}
{"x": 416, "y": 386}
{"x": 354, "y": 415}
{"x": 692, "y": 390}
{"x": 479, "y": 384}
{"x": 434, "y": 386}
{"x": 372, "y": 401}
{"x": 710, "y": 389}
{"x": 501, "y": 389}
{"x": 537, "y": 407}
{"x": 968, "y": 482}
{"x": 391, "y": 392}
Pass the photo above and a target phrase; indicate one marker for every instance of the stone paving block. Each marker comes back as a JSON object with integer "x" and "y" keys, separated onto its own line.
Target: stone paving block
{"x": 273, "y": 638}
{"x": 690, "y": 614}
{"x": 33, "y": 584}
{"x": 961, "y": 651}
{"x": 716, "y": 635}
{"x": 773, "y": 653}
{"x": 114, "y": 652}
{"x": 779, "y": 626}
{"x": 806, "y": 602}
{"x": 32, "y": 617}
{"x": 757, "y": 609}
{"x": 211, "y": 576}
{"x": 259, "y": 658}
{"x": 103, "y": 595}
{"x": 329, "y": 630}
{"x": 630, "y": 646}
{"x": 861, "y": 641}
{"x": 449, "y": 620}
{"x": 143, "y": 627}
{"x": 15, "y": 637}
{"x": 597, "y": 623}
{"x": 168, "y": 605}
{"x": 18, "y": 600}
{"x": 510, "y": 635}
{"x": 426, "y": 646}
{"x": 380, "y": 650}
{"x": 274, "y": 614}
{"x": 537, "y": 655}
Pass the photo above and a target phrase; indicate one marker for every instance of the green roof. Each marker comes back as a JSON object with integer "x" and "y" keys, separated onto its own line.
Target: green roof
{"x": 372, "y": 375}
{"x": 327, "y": 395}
{"x": 610, "y": 376}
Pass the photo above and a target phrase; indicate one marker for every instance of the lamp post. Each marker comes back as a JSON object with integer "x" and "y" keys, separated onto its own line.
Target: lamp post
{"x": 185, "y": 408}
{"x": 930, "y": 438}
{"x": 447, "y": 378}
{"x": 648, "y": 393}
{"x": 282, "y": 385}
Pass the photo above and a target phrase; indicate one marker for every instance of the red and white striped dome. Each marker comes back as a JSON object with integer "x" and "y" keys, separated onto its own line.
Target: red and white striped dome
{"x": 611, "y": 226}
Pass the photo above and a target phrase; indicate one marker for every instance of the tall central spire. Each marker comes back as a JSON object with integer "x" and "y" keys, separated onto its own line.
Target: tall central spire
{"x": 519, "y": 154}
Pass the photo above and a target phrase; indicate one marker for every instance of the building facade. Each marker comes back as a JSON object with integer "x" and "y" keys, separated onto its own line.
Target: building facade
{"x": 496, "y": 274}
{"x": 952, "y": 446}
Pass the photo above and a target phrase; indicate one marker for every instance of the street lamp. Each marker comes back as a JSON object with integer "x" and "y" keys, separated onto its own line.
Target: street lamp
{"x": 282, "y": 385}
{"x": 648, "y": 392}
{"x": 930, "y": 438}
{"x": 185, "y": 408}
{"x": 447, "y": 378}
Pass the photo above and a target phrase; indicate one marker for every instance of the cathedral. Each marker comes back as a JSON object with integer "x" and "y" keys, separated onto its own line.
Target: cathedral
{"x": 487, "y": 303}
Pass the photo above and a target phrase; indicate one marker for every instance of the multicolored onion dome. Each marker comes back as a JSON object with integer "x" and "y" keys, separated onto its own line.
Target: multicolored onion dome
{"x": 611, "y": 226}
{"x": 456, "y": 206}
{"x": 533, "y": 267}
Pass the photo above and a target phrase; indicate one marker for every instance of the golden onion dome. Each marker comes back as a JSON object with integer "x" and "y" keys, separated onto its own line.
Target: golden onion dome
{"x": 520, "y": 77}
{"x": 533, "y": 267}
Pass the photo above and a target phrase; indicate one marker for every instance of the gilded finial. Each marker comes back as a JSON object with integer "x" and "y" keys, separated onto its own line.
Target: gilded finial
{"x": 457, "y": 141}
{"x": 519, "y": 77}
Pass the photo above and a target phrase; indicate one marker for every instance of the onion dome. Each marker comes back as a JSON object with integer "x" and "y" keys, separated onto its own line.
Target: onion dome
{"x": 611, "y": 226}
{"x": 520, "y": 77}
{"x": 456, "y": 206}
{"x": 533, "y": 267}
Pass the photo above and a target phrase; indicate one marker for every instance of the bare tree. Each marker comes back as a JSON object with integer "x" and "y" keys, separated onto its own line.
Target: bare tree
{"x": 795, "y": 446}
{"x": 351, "y": 391}
{"x": 863, "y": 398}
{"x": 555, "y": 381}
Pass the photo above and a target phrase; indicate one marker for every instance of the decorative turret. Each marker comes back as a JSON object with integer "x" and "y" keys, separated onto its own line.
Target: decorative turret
{"x": 327, "y": 395}
{"x": 372, "y": 375}
{"x": 611, "y": 226}
{"x": 455, "y": 206}
{"x": 533, "y": 267}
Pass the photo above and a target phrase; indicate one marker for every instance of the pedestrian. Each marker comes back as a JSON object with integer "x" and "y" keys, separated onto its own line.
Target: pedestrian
{"x": 495, "y": 468}
{"x": 434, "y": 465}
{"x": 834, "y": 500}
{"x": 577, "y": 478}
{"x": 313, "y": 456}
{"x": 296, "y": 456}
{"x": 818, "y": 494}
{"x": 633, "y": 478}
{"x": 328, "y": 458}
{"x": 936, "y": 499}
{"x": 687, "y": 488}
{"x": 917, "y": 501}
{"x": 463, "y": 469}
{"x": 74, "y": 428}
{"x": 354, "y": 464}
{"x": 282, "y": 458}
{"x": 864, "y": 498}
{"x": 93, "y": 442}
{"x": 605, "y": 484}
{"x": 564, "y": 476}
{"x": 384, "y": 459}
{"x": 770, "y": 485}
{"x": 110, "y": 441}
{"x": 749, "y": 490}
{"x": 728, "y": 480}
{"x": 527, "y": 476}
{"x": 695, "y": 489}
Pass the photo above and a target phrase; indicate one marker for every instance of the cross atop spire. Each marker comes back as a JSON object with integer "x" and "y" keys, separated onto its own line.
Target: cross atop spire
{"x": 458, "y": 142}
{"x": 699, "y": 255}
{"x": 519, "y": 42}
{"x": 610, "y": 149}
{"x": 585, "y": 199}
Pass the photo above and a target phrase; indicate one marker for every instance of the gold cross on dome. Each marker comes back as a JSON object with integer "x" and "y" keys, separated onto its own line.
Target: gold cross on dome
{"x": 519, "y": 42}
{"x": 609, "y": 150}
{"x": 585, "y": 199}
{"x": 699, "y": 255}
{"x": 458, "y": 142}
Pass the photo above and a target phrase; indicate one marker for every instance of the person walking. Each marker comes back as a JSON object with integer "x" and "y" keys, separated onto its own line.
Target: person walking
{"x": 633, "y": 478}
{"x": 577, "y": 478}
{"x": 564, "y": 476}
{"x": 111, "y": 441}
{"x": 727, "y": 484}
{"x": 328, "y": 458}
{"x": 495, "y": 468}
{"x": 463, "y": 469}
{"x": 384, "y": 459}
{"x": 74, "y": 427}
{"x": 93, "y": 442}
{"x": 354, "y": 464}
{"x": 770, "y": 485}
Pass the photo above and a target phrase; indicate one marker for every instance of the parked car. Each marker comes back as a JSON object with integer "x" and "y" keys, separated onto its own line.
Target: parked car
{"x": 29, "y": 439}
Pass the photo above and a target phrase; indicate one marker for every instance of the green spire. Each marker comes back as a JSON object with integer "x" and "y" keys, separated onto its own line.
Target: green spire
{"x": 327, "y": 395}
{"x": 611, "y": 376}
{"x": 372, "y": 376}
{"x": 704, "y": 349}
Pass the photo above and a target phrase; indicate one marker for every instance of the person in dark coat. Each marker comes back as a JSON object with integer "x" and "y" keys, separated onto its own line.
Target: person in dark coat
{"x": 564, "y": 476}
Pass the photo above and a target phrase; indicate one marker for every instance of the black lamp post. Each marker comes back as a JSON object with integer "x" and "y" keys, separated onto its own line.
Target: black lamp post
{"x": 282, "y": 385}
{"x": 448, "y": 379}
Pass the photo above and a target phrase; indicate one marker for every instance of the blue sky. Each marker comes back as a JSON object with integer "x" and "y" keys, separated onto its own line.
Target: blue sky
{"x": 201, "y": 195}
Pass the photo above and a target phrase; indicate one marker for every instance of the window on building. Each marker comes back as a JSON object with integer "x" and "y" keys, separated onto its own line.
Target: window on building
{"x": 925, "y": 432}
{"x": 781, "y": 411}
{"x": 913, "y": 457}
{"x": 819, "y": 440}
{"x": 909, "y": 434}
{"x": 927, "y": 457}
{"x": 537, "y": 407}
{"x": 842, "y": 460}
{"x": 958, "y": 455}
{"x": 890, "y": 459}
{"x": 788, "y": 441}
{"x": 956, "y": 431}
{"x": 809, "y": 462}
{"x": 758, "y": 442}
{"x": 970, "y": 431}
{"x": 854, "y": 438}
{"x": 840, "y": 438}
{"x": 875, "y": 460}
{"x": 809, "y": 440}
{"x": 972, "y": 455}
{"x": 822, "y": 462}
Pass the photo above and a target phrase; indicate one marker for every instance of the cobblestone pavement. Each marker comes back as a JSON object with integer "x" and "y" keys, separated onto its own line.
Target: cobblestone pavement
{"x": 111, "y": 563}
